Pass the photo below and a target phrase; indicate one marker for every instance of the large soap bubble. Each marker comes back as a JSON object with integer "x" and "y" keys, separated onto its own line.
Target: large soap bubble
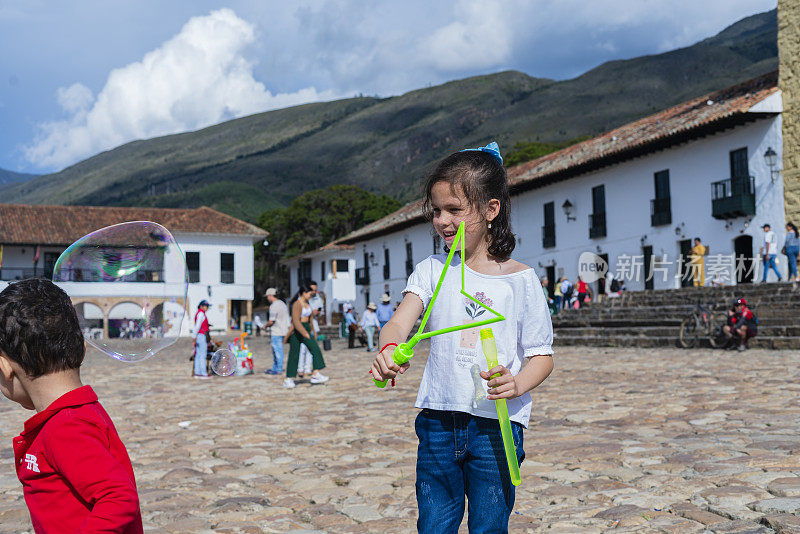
{"x": 128, "y": 282}
{"x": 223, "y": 362}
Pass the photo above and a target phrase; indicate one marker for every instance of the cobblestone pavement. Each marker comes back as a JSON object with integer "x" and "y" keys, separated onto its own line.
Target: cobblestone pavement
{"x": 625, "y": 440}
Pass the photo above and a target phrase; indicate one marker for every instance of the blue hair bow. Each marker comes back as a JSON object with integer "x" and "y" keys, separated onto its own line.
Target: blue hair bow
{"x": 492, "y": 148}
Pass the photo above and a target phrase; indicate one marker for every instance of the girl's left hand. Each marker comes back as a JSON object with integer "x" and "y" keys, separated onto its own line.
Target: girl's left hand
{"x": 501, "y": 387}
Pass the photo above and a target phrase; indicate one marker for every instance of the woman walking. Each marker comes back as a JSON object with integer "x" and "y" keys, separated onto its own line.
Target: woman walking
{"x": 369, "y": 322}
{"x": 302, "y": 332}
{"x": 791, "y": 248}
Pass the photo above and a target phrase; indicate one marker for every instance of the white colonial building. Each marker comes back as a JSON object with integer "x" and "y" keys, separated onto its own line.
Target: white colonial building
{"x": 636, "y": 197}
{"x": 218, "y": 251}
{"x": 333, "y": 267}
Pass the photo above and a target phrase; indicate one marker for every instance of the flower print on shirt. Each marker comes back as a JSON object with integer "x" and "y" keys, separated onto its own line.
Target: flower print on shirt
{"x": 469, "y": 336}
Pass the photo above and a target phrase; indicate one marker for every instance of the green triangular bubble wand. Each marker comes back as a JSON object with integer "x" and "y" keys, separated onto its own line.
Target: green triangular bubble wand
{"x": 405, "y": 351}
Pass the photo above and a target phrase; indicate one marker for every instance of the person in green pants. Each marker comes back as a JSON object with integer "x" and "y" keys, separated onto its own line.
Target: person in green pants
{"x": 302, "y": 331}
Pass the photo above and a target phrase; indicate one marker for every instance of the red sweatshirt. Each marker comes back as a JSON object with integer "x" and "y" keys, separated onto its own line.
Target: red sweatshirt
{"x": 75, "y": 472}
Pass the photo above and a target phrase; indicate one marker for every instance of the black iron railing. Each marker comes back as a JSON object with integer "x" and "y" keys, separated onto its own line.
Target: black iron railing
{"x": 734, "y": 197}
{"x": 362, "y": 276}
{"x": 660, "y": 211}
{"x": 548, "y": 235}
{"x": 597, "y": 225}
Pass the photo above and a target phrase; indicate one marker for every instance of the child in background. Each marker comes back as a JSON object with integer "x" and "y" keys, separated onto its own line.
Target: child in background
{"x": 460, "y": 453}
{"x": 75, "y": 472}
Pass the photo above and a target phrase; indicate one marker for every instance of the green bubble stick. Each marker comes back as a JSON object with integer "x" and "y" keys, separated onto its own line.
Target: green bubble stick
{"x": 405, "y": 351}
{"x": 490, "y": 351}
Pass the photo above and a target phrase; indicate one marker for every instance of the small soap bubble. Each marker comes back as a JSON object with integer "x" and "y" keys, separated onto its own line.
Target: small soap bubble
{"x": 128, "y": 283}
{"x": 223, "y": 362}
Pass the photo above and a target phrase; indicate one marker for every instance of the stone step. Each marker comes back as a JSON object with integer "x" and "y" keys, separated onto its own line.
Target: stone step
{"x": 662, "y": 330}
{"x": 764, "y": 342}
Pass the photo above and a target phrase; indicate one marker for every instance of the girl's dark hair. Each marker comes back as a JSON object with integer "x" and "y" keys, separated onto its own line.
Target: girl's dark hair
{"x": 481, "y": 177}
{"x": 793, "y": 227}
{"x": 39, "y": 328}
{"x": 305, "y": 287}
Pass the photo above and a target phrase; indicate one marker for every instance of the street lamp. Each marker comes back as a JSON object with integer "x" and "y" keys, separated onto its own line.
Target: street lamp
{"x": 771, "y": 158}
{"x": 567, "y": 207}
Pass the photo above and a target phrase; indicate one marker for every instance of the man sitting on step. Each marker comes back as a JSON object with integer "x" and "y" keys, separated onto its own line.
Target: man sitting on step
{"x": 742, "y": 323}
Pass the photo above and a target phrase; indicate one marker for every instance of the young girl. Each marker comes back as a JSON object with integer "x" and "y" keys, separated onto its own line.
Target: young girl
{"x": 303, "y": 332}
{"x": 460, "y": 450}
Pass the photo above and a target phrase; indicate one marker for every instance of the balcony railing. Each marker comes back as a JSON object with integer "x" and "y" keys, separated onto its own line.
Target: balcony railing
{"x": 9, "y": 274}
{"x": 660, "y": 211}
{"x": 597, "y": 225}
{"x": 194, "y": 276}
{"x": 226, "y": 277}
{"x": 91, "y": 275}
{"x": 734, "y": 197}
{"x": 548, "y": 235}
{"x": 362, "y": 276}
{"x": 386, "y": 272}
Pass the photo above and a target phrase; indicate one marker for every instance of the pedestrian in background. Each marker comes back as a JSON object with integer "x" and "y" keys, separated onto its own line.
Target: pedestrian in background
{"x": 200, "y": 339}
{"x": 352, "y": 326}
{"x": 698, "y": 263}
{"x": 385, "y": 310}
{"x": 791, "y": 247}
{"x": 279, "y": 326}
{"x": 369, "y": 322}
{"x": 768, "y": 252}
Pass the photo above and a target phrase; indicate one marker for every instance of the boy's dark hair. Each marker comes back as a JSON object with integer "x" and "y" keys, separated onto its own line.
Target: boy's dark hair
{"x": 39, "y": 327}
{"x": 481, "y": 177}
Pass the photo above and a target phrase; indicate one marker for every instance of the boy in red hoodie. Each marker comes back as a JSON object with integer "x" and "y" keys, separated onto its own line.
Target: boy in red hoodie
{"x": 75, "y": 472}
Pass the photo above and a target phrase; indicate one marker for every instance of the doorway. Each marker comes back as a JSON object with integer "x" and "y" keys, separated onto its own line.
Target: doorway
{"x": 550, "y": 271}
{"x": 601, "y": 282}
{"x": 647, "y": 253}
{"x": 686, "y": 264}
{"x": 743, "y": 250}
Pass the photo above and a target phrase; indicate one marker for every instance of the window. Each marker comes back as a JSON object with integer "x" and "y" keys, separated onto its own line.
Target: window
{"x": 597, "y": 219}
{"x": 362, "y": 273}
{"x": 193, "y": 266}
{"x": 739, "y": 165}
{"x": 660, "y": 207}
{"x": 409, "y": 260}
{"x": 341, "y": 266}
{"x": 226, "y": 268}
{"x": 322, "y": 270}
{"x": 386, "y": 272}
{"x": 549, "y": 228}
{"x": 303, "y": 272}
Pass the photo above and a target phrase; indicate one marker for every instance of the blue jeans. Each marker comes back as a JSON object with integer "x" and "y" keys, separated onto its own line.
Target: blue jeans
{"x": 200, "y": 351}
{"x": 370, "y": 331}
{"x": 462, "y": 455}
{"x": 769, "y": 263}
{"x": 791, "y": 256}
{"x": 276, "y": 342}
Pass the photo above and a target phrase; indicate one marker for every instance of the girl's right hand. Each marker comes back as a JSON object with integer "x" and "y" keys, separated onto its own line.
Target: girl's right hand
{"x": 384, "y": 367}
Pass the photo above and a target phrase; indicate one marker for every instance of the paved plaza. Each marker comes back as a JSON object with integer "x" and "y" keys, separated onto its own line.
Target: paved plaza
{"x": 624, "y": 440}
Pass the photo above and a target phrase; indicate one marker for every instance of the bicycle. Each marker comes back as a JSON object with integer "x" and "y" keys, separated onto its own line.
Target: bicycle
{"x": 704, "y": 321}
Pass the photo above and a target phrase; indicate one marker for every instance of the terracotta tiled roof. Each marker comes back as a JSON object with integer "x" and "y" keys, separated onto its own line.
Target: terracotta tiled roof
{"x": 677, "y": 124}
{"x": 689, "y": 120}
{"x": 63, "y": 225}
{"x": 330, "y": 247}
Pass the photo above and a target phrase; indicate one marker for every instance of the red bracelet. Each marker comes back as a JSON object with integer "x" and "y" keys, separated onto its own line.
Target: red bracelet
{"x": 387, "y": 345}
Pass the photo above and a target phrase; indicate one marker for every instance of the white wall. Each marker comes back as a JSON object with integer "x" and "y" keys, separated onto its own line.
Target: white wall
{"x": 338, "y": 289}
{"x": 629, "y": 187}
{"x": 209, "y": 287}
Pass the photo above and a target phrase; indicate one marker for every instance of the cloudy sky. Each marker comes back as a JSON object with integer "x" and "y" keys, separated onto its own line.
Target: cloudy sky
{"x": 83, "y": 76}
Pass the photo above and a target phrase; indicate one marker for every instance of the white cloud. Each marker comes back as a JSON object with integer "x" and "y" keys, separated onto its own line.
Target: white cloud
{"x": 200, "y": 77}
{"x": 478, "y": 39}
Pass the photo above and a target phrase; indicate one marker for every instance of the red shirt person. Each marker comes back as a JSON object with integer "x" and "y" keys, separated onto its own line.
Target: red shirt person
{"x": 70, "y": 454}
{"x": 75, "y": 472}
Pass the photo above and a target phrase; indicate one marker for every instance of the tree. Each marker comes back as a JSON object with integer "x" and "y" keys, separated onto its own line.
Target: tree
{"x": 312, "y": 220}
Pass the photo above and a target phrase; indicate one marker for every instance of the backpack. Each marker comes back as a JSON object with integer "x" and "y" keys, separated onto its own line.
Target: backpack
{"x": 614, "y": 285}
{"x": 568, "y": 294}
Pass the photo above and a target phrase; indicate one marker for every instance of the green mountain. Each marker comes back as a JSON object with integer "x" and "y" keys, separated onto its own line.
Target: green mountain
{"x": 385, "y": 145}
{"x": 10, "y": 177}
